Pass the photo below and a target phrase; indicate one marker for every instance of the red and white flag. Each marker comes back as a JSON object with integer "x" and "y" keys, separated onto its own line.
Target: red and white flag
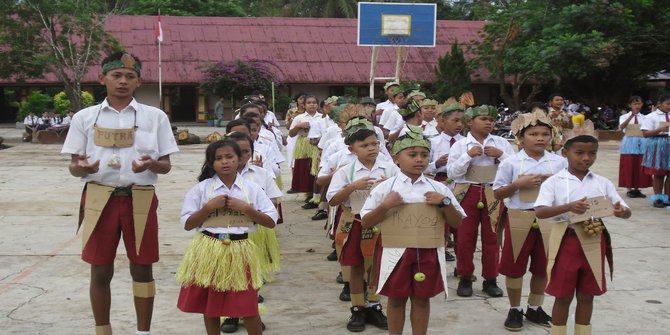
{"x": 159, "y": 30}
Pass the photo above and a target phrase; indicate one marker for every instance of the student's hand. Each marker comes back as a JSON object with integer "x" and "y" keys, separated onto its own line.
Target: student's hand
{"x": 528, "y": 181}
{"x": 619, "y": 210}
{"x": 664, "y": 128}
{"x": 434, "y": 198}
{"x": 84, "y": 167}
{"x": 258, "y": 161}
{"x": 304, "y": 125}
{"x": 475, "y": 151}
{"x": 442, "y": 161}
{"x": 216, "y": 203}
{"x": 393, "y": 199}
{"x": 363, "y": 183}
{"x": 579, "y": 206}
{"x": 493, "y": 152}
{"x": 237, "y": 205}
{"x": 314, "y": 141}
{"x": 145, "y": 162}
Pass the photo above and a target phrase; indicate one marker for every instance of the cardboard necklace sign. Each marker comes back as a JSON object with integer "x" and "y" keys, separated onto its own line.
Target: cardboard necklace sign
{"x": 481, "y": 173}
{"x": 417, "y": 225}
{"x": 113, "y": 138}
{"x": 633, "y": 130}
{"x": 224, "y": 217}
{"x": 599, "y": 207}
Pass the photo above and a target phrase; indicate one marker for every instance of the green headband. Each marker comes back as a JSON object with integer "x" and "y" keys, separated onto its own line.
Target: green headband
{"x": 412, "y": 107}
{"x": 483, "y": 110}
{"x": 330, "y": 100}
{"x": 355, "y": 125}
{"x": 453, "y": 107}
{"x": 416, "y": 93}
{"x": 126, "y": 62}
{"x": 413, "y": 138}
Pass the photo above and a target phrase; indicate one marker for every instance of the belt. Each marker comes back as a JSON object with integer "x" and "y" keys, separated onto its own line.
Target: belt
{"x": 125, "y": 191}
{"x": 441, "y": 174}
{"x": 570, "y": 232}
{"x": 232, "y": 237}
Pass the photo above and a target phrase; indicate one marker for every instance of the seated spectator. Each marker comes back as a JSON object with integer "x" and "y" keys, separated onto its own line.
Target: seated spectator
{"x": 44, "y": 121}
{"x": 31, "y": 122}
{"x": 68, "y": 118}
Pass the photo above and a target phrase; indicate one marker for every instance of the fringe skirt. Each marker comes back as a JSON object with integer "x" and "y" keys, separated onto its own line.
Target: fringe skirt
{"x": 656, "y": 160}
{"x": 267, "y": 250}
{"x": 632, "y": 145}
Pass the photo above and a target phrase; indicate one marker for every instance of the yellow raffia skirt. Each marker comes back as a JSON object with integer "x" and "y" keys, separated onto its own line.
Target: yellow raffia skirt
{"x": 267, "y": 249}
{"x": 208, "y": 262}
{"x": 304, "y": 149}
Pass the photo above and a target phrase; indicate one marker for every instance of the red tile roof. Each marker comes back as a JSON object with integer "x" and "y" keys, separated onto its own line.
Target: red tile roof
{"x": 305, "y": 50}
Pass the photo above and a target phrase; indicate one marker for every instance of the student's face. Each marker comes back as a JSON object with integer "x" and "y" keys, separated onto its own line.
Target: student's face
{"x": 556, "y": 102}
{"x": 413, "y": 161}
{"x": 327, "y": 108}
{"x": 481, "y": 124}
{"x": 120, "y": 83}
{"x": 311, "y": 105}
{"x": 366, "y": 150}
{"x": 254, "y": 129}
{"x": 240, "y": 129}
{"x": 389, "y": 94}
{"x": 451, "y": 124}
{"x": 636, "y": 106}
{"x": 535, "y": 139}
{"x": 399, "y": 99}
{"x": 225, "y": 161}
{"x": 301, "y": 100}
{"x": 664, "y": 106}
{"x": 581, "y": 156}
{"x": 428, "y": 112}
{"x": 246, "y": 152}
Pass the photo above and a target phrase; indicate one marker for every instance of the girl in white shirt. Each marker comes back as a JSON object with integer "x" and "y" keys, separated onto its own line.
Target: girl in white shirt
{"x": 632, "y": 150}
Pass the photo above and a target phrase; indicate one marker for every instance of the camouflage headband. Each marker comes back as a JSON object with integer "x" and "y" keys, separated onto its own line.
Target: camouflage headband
{"x": 411, "y": 107}
{"x": 428, "y": 102}
{"x": 356, "y": 124}
{"x": 126, "y": 62}
{"x": 416, "y": 93}
{"x": 452, "y": 107}
{"x": 330, "y": 100}
{"x": 413, "y": 138}
{"x": 483, "y": 110}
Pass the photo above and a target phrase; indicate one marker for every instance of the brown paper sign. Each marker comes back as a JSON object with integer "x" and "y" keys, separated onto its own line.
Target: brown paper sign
{"x": 227, "y": 218}
{"x": 545, "y": 231}
{"x": 599, "y": 207}
{"x": 557, "y": 231}
{"x": 530, "y": 194}
{"x": 633, "y": 130}
{"x": 520, "y": 223}
{"x": 143, "y": 196}
{"x": 96, "y": 199}
{"x": 481, "y": 173}
{"x": 357, "y": 198}
{"x": 110, "y": 138}
{"x": 413, "y": 226}
{"x": 493, "y": 208}
{"x": 591, "y": 247}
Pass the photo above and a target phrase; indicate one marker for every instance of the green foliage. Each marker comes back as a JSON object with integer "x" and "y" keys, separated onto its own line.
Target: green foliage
{"x": 281, "y": 106}
{"x": 62, "y": 103}
{"x": 186, "y": 7}
{"x": 453, "y": 77}
{"x": 238, "y": 78}
{"x": 36, "y": 102}
{"x": 325, "y": 8}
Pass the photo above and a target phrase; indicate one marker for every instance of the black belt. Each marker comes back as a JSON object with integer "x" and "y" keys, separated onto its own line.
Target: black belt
{"x": 125, "y": 191}
{"x": 223, "y": 236}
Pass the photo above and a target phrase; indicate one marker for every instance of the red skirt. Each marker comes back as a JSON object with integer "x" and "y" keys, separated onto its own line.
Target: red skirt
{"x": 211, "y": 303}
{"x": 630, "y": 172}
{"x": 302, "y": 180}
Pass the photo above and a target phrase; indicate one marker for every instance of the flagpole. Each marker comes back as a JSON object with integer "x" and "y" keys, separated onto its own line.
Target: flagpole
{"x": 160, "y": 66}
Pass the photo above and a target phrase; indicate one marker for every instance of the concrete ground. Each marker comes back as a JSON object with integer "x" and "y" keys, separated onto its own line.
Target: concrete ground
{"x": 44, "y": 284}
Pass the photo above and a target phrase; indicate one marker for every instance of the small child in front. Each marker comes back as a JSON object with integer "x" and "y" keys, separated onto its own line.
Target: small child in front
{"x": 577, "y": 246}
{"x": 415, "y": 273}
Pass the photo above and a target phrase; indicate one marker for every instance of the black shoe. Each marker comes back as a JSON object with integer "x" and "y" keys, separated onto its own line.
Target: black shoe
{"x": 659, "y": 203}
{"x": 332, "y": 256}
{"x": 260, "y": 299}
{"x": 339, "y": 278}
{"x": 345, "y": 295}
{"x": 538, "y": 317}
{"x": 631, "y": 194}
{"x": 640, "y": 194}
{"x": 262, "y": 326}
{"x": 310, "y": 205}
{"x": 230, "y": 325}
{"x": 308, "y": 199}
{"x": 491, "y": 288}
{"x": 464, "y": 287}
{"x": 375, "y": 317}
{"x": 514, "y": 320}
{"x": 357, "y": 320}
{"x": 449, "y": 257}
{"x": 291, "y": 191}
{"x": 320, "y": 215}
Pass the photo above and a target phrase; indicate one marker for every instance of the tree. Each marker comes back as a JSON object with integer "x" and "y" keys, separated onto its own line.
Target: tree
{"x": 325, "y": 8}
{"x": 238, "y": 77}
{"x": 61, "y": 37}
{"x": 186, "y": 7}
{"x": 36, "y": 102}
{"x": 63, "y": 106}
{"x": 451, "y": 73}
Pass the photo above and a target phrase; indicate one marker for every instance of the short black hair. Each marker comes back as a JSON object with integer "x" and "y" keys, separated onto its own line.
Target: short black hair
{"x": 237, "y": 136}
{"x": 248, "y": 105}
{"x": 537, "y": 104}
{"x": 579, "y": 139}
{"x": 359, "y": 136}
{"x": 556, "y": 94}
{"x": 663, "y": 97}
{"x": 238, "y": 122}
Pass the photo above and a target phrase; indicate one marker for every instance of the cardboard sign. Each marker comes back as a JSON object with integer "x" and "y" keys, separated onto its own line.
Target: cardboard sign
{"x": 599, "y": 207}
{"x": 227, "y": 218}
{"x": 633, "y": 130}
{"x": 413, "y": 226}
{"x": 520, "y": 223}
{"x": 481, "y": 173}
{"x": 357, "y": 198}
{"x": 592, "y": 252}
{"x": 113, "y": 138}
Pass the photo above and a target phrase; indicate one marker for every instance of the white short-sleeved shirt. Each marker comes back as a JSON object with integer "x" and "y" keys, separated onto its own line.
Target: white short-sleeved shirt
{"x": 521, "y": 164}
{"x": 640, "y": 119}
{"x": 271, "y": 118}
{"x": 242, "y": 189}
{"x": 654, "y": 119}
{"x": 390, "y": 117}
{"x": 336, "y": 145}
{"x": 269, "y": 156}
{"x": 263, "y": 178}
{"x": 66, "y": 120}
{"x": 318, "y": 126}
{"x": 459, "y": 160}
{"x": 564, "y": 187}
{"x": 430, "y": 128}
{"x": 384, "y": 105}
{"x": 332, "y": 132}
{"x": 153, "y": 137}
{"x": 440, "y": 146}
{"x": 31, "y": 121}
{"x": 410, "y": 192}
{"x": 304, "y": 117}
{"x": 355, "y": 171}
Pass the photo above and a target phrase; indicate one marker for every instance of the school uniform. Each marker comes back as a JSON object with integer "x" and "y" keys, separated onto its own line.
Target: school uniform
{"x": 470, "y": 193}
{"x": 212, "y": 281}
{"x": 571, "y": 270}
{"x": 440, "y": 146}
{"x": 397, "y": 281}
{"x": 532, "y": 246}
{"x": 30, "y": 122}
{"x": 656, "y": 159}
{"x": 430, "y": 128}
{"x": 318, "y": 126}
{"x": 305, "y": 156}
{"x": 631, "y": 153}
{"x": 152, "y": 136}
{"x": 390, "y": 118}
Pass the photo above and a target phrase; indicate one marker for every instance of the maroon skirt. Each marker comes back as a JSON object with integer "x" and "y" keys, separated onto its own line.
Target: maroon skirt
{"x": 302, "y": 180}
{"x": 630, "y": 172}
{"x": 212, "y": 303}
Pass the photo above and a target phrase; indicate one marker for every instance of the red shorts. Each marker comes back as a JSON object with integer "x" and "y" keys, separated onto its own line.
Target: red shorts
{"x": 212, "y": 303}
{"x": 117, "y": 218}
{"x": 357, "y": 247}
{"x": 572, "y": 272}
{"x": 401, "y": 283}
{"x": 533, "y": 249}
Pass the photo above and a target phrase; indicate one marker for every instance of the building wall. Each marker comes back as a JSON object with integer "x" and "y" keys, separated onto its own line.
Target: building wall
{"x": 148, "y": 95}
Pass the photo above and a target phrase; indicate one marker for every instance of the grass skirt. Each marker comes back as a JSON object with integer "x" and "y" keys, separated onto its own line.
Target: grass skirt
{"x": 632, "y": 145}
{"x": 267, "y": 251}
{"x": 209, "y": 263}
{"x": 657, "y": 155}
{"x": 304, "y": 149}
